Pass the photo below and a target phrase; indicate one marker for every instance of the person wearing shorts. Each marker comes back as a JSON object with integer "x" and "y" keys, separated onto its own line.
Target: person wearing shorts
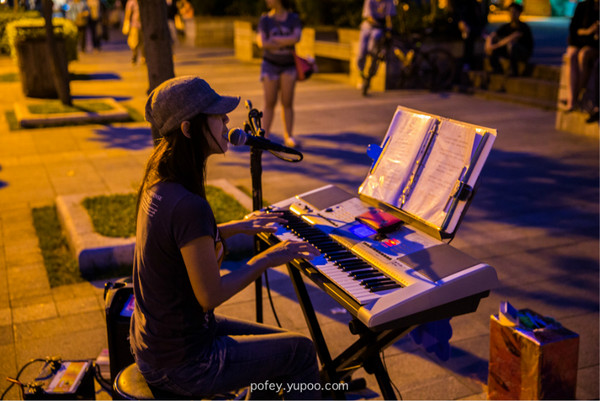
{"x": 279, "y": 30}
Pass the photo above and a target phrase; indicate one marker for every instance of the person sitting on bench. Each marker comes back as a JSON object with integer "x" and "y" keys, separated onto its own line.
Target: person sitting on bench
{"x": 513, "y": 41}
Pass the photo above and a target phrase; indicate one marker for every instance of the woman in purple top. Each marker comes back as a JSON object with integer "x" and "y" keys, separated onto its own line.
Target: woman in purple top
{"x": 180, "y": 345}
{"x": 278, "y": 31}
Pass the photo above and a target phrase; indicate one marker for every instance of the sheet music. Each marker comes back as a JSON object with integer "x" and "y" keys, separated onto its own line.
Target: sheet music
{"x": 406, "y": 138}
{"x": 445, "y": 164}
{"x": 484, "y": 140}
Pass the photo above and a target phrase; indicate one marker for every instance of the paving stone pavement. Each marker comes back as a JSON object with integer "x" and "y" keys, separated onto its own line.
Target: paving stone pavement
{"x": 535, "y": 217}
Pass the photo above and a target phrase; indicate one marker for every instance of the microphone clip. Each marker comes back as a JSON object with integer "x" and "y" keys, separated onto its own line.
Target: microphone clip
{"x": 254, "y": 128}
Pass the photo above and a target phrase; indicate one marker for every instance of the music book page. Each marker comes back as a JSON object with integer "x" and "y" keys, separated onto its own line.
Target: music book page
{"x": 423, "y": 162}
{"x": 404, "y": 144}
{"x": 446, "y": 162}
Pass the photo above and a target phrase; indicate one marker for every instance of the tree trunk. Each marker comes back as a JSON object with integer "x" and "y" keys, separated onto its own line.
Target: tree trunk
{"x": 157, "y": 43}
{"x": 60, "y": 74}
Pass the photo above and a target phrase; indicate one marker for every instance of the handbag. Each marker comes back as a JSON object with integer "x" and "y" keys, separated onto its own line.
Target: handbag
{"x": 126, "y": 27}
{"x": 304, "y": 66}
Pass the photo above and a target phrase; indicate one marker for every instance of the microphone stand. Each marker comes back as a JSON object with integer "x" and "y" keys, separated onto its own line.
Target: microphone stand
{"x": 253, "y": 126}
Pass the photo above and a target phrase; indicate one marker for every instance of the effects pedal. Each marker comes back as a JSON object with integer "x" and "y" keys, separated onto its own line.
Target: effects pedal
{"x": 66, "y": 380}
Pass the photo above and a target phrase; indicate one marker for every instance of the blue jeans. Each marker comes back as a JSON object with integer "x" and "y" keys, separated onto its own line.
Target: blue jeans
{"x": 244, "y": 354}
{"x": 369, "y": 36}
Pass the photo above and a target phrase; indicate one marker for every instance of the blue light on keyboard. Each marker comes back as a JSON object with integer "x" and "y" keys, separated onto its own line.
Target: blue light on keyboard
{"x": 361, "y": 231}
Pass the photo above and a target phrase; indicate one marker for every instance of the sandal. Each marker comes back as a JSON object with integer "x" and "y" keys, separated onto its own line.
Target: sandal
{"x": 291, "y": 142}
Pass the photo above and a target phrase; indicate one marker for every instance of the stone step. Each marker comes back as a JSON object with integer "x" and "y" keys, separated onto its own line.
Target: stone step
{"x": 544, "y": 104}
{"x": 546, "y": 72}
{"x": 533, "y": 88}
{"x": 532, "y": 91}
{"x": 575, "y": 122}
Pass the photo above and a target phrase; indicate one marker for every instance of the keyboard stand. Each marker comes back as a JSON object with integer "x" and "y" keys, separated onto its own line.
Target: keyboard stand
{"x": 365, "y": 351}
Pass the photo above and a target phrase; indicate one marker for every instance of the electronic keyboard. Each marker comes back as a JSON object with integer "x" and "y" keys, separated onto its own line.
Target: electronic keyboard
{"x": 380, "y": 274}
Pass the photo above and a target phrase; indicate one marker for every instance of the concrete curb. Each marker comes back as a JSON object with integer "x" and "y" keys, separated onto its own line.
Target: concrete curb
{"x": 91, "y": 250}
{"x": 28, "y": 119}
{"x": 96, "y": 252}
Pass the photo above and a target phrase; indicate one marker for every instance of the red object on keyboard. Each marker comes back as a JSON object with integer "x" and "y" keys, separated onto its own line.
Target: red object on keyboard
{"x": 379, "y": 220}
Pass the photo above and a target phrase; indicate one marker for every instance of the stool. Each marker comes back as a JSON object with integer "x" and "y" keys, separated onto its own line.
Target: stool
{"x": 131, "y": 385}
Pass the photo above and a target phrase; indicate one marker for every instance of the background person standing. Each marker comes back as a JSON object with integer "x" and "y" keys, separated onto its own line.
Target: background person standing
{"x": 79, "y": 13}
{"x": 376, "y": 21}
{"x": 279, "y": 30}
{"x": 93, "y": 23}
{"x": 186, "y": 10}
{"x": 132, "y": 27}
{"x": 470, "y": 20}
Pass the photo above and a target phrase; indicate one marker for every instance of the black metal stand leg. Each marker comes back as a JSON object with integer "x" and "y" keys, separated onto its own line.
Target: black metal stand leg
{"x": 256, "y": 175}
{"x": 374, "y": 365}
{"x": 310, "y": 316}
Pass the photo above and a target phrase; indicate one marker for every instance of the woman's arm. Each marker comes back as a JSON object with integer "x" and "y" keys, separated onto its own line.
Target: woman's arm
{"x": 590, "y": 30}
{"x": 253, "y": 223}
{"x": 211, "y": 289}
{"x": 276, "y": 42}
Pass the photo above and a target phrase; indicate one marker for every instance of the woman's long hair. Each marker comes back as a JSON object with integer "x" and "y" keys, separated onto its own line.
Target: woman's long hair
{"x": 180, "y": 159}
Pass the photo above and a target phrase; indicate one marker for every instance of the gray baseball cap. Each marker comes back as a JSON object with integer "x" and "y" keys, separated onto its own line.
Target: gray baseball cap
{"x": 181, "y": 98}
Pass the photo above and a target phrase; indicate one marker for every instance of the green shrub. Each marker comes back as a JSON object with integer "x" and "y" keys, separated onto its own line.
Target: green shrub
{"x": 33, "y": 29}
{"x": 5, "y": 18}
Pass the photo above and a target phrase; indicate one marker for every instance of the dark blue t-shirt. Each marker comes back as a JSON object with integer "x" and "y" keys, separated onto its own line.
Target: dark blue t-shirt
{"x": 272, "y": 27}
{"x": 168, "y": 325}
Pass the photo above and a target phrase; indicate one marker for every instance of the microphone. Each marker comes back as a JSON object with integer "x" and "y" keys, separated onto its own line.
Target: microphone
{"x": 238, "y": 137}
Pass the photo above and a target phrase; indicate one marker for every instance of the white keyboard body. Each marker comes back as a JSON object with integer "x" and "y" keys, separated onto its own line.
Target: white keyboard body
{"x": 423, "y": 271}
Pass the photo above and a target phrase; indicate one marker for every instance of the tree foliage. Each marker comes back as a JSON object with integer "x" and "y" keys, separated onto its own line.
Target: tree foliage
{"x": 313, "y": 12}
{"x": 413, "y": 15}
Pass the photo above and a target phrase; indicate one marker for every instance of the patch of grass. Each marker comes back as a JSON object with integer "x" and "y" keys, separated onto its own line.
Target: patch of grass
{"x": 55, "y": 106}
{"x": 112, "y": 215}
{"x": 61, "y": 266}
{"x": 249, "y": 193}
{"x": 134, "y": 113}
{"x": 10, "y": 77}
{"x": 224, "y": 206}
{"x": 11, "y": 119}
{"x": 13, "y": 123}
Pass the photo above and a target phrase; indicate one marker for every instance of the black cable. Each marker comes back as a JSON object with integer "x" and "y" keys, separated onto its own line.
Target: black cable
{"x": 286, "y": 159}
{"x": 271, "y": 299}
{"x": 18, "y": 375}
{"x": 382, "y": 353}
{"x": 101, "y": 381}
